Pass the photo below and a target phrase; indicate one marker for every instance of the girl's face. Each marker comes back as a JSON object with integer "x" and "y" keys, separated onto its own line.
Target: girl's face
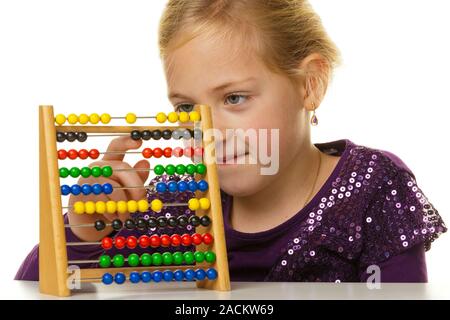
{"x": 243, "y": 94}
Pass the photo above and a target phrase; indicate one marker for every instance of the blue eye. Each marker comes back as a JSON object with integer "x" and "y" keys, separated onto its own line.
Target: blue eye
{"x": 235, "y": 99}
{"x": 186, "y": 107}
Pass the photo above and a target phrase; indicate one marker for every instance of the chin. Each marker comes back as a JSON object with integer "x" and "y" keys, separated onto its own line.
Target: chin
{"x": 241, "y": 180}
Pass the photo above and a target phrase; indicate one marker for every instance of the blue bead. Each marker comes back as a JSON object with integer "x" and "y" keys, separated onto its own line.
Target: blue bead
{"x": 86, "y": 189}
{"x": 157, "y": 276}
{"x": 178, "y": 275}
{"x": 172, "y": 185}
{"x": 65, "y": 190}
{"x": 135, "y": 277}
{"x": 97, "y": 188}
{"x": 146, "y": 276}
{"x": 182, "y": 186}
{"x": 200, "y": 274}
{"x": 107, "y": 278}
{"x": 168, "y": 275}
{"x": 202, "y": 185}
{"x": 161, "y": 187}
{"x": 76, "y": 189}
{"x": 192, "y": 186}
{"x": 189, "y": 274}
{"x": 211, "y": 273}
{"x": 119, "y": 278}
{"x": 107, "y": 188}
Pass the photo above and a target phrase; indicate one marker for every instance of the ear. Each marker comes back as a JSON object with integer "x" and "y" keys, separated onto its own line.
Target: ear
{"x": 316, "y": 73}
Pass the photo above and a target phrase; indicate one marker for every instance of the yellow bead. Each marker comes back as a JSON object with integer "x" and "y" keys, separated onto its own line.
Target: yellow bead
{"x": 60, "y": 119}
{"x": 142, "y": 205}
{"x": 72, "y": 119}
{"x": 161, "y": 117}
{"x": 130, "y": 118}
{"x": 122, "y": 206}
{"x": 111, "y": 206}
{"x": 183, "y": 116}
{"x": 94, "y": 118}
{"x": 156, "y": 205}
{"x": 89, "y": 206}
{"x": 194, "y": 116}
{"x": 78, "y": 207}
{"x": 100, "y": 207}
{"x": 172, "y": 117}
{"x": 204, "y": 203}
{"x": 132, "y": 206}
{"x": 105, "y": 118}
{"x": 194, "y": 204}
{"x": 83, "y": 118}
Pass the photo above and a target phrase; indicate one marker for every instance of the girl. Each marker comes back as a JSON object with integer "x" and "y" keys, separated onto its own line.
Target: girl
{"x": 334, "y": 211}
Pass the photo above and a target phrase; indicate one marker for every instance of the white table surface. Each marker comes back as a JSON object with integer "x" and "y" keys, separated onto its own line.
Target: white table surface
{"x": 240, "y": 290}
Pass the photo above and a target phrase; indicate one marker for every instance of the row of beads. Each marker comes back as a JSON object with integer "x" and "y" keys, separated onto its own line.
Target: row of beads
{"x": 182, "y": 186}
{"x": 86, "y": 189}
{"x": 170, "y": 169}
{"x": 71, "y": 136}
{"x": 152, "y": 222}
{"x": 166, "y": 134}
{"x": 157, "y": 259}
{"x": 158, "y": 276}
{"x": 155, "y": 241}
{"x": 73, "y": 154}
{"x": 168, "y": 152}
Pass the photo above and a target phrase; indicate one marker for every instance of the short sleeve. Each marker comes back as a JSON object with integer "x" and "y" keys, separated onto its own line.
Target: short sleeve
{"x": 400, "y": 217}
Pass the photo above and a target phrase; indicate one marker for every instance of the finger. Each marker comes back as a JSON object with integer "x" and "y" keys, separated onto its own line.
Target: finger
{"x": 117, "y": 148}
{"x": 143, "y": 174}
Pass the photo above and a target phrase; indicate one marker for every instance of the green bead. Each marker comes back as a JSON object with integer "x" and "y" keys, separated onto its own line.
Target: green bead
{"x": 190, "y": 168}
{"x": 107, "y": 171}
{"x": 167, "y": 258}
{"x": 64, "y": 172}
{"x": 189, "y": 257}
{"x": 133, "y": 260}
{"x": 199, "y": 256}
{"x": 170, "y": 169}
{"x": 201, "y": 168}
{"x": 177, "y": 258}
{"x": 105, "y": 261}
{"x": 157, "y": 259}
{"x": 118, "y": 260}
{"x": 96, "y": 172}
{"x": 146, "y": 259}
{"x": 159, "y": 169}
{"x": 75, "y": 172}
{"x": 210, "y": 257}
{"x": 181, "y": 169}
{"x": 85, "y": 172}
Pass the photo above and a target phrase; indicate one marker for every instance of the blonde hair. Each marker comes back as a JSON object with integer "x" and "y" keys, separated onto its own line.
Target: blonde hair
{"x": 283, "y": 32}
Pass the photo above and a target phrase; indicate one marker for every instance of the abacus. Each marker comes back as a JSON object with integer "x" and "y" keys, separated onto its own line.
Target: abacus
{"x": 208, "y": 266}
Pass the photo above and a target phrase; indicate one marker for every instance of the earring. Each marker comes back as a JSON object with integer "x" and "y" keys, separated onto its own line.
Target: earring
{"x": 314, "y": 119}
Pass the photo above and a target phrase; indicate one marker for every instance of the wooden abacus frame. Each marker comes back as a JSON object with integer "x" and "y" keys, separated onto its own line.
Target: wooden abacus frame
{"x": 53, "y": 261}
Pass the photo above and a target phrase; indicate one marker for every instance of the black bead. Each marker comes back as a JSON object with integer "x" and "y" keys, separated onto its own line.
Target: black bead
{"x": 167, "y": 134}
{"x": 99, "y": 225}
{"x": 136, "y": 135}
{"x": 205, "y": 221}
{"x": 60, "y": 136}
{"x": 152, "y": 223}
{"x": 130, "y": 224}
{"x": 81, "y": 136}
{"x": 71, "y": 136}
{"x": 116, "y": 224}
{"x": 198, "y": 134}
{"x": 156, "y": 134}
{"x": 172, "y": 222}
{"x": 194, "y": 221}
{"x": 182, "y": 221}
{"x": 146, "y": 135}
{"x": 162, "y": 222}
{"x": 141, "y": 223}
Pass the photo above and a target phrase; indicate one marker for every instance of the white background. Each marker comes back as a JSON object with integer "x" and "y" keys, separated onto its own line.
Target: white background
{"x": 101, "y": 56}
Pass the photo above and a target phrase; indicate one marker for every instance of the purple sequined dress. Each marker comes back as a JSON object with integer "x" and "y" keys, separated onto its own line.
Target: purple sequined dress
{"x": 370, "y": 212}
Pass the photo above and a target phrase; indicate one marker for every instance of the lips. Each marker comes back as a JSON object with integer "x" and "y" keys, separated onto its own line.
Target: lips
{"x": 233, "y": 158}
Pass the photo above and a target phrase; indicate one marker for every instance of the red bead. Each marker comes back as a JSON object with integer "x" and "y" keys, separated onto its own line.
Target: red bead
{"x": 120, "y": 242}
{"x": 188, "y": 151}
{"x": 94, "y": 154}
{"x": 72, "y": 154}
{"x": 207, "y": 238}
{"x": 165, "y": 240}
{"x": 196, "y": 239}
{"x": 131, "y": 242}
{"x": 157, "y": 152}
{"x": 177, "y": 152}
{"x": 198, "y": 151}
{"x": 175, "y": 239}
{"x": 62, "y": 154}
{"x": 83, "y": 154}
{"x": 144, "y": 241}
{"x": 155, "y": 241}
{"x": 186, "y": 239}
{"x": 168, "y": 152}
{"x": 147, "y": 153}
{"x": 107, "y": 243}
